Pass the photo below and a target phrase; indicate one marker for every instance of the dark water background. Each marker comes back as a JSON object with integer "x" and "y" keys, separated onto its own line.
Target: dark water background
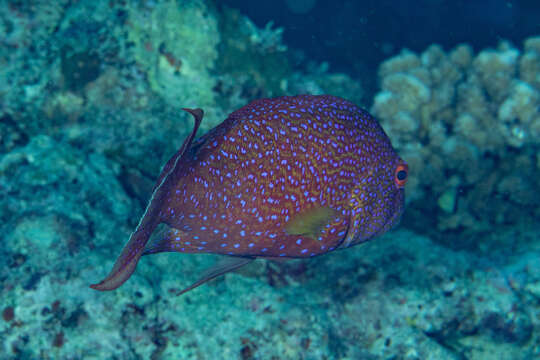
{"x": 356, "y": 36}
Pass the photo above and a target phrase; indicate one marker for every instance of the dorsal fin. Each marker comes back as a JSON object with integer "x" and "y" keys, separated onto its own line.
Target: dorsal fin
{"x": 128, "y": 259}
{"x": 197, "y": 115}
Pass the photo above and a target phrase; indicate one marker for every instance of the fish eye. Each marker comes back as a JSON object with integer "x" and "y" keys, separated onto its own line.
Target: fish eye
{"x": 400, "y": 175}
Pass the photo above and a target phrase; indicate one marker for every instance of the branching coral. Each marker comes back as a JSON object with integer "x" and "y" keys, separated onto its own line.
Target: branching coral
{"x": 469, "y": 127}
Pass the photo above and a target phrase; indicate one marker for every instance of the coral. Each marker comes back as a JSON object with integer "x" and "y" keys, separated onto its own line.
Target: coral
{"x": 79, "y": 69}
{"x": 112, "y": 82}
{"x": 254, "y": 63}
{"x": 174, "y": 44}
{"x": 400, "y": 296}
{"x": 90, "y": 93}
{"x": 115, "y": 81}
{"x": 462, "y": 122}
{"x": 319, "y": 80}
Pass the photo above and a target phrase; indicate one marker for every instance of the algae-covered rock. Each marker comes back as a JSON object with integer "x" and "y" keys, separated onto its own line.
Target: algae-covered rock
{"x": 175, "y": 44}
{"x": 79, "y": 69}
{"x": 403, "y": 295}
{"x": 447, "y": 201}
{"x": 80, "y": 198}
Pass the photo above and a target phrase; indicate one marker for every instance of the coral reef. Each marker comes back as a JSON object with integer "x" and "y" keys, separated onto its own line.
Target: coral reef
{"x": 90, "y": 93}
{"x": 269, "y": 70}
{"x": 401, "y": 296}
{"x": 469, "y": 127}
{"x": 175, "y": 46}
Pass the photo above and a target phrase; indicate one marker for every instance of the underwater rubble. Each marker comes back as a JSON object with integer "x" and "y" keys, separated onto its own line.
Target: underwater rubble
{"x": 89, "y": 112}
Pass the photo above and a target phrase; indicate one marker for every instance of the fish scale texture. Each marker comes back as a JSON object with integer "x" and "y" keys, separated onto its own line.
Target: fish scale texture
{"x": 272, "y": 160}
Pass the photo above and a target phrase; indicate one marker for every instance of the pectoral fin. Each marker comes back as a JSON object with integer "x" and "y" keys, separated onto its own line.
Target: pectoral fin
{"x": 311, "y": 222}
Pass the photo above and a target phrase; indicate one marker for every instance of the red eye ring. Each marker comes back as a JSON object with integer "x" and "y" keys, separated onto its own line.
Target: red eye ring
{"x": 400, "y": 175}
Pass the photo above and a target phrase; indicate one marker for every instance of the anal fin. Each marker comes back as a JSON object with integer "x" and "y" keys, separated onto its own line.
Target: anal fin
{"x": 224, "y": 265}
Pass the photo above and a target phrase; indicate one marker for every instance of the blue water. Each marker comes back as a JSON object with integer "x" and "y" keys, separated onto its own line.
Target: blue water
{"x": 90, "y": 111}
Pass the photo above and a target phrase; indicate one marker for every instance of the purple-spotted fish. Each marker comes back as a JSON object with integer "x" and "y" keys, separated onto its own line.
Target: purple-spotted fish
{"x": 289, "y": 177}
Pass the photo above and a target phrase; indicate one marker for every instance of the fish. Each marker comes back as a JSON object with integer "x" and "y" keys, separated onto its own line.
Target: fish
{"x": 281, "y": 178}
